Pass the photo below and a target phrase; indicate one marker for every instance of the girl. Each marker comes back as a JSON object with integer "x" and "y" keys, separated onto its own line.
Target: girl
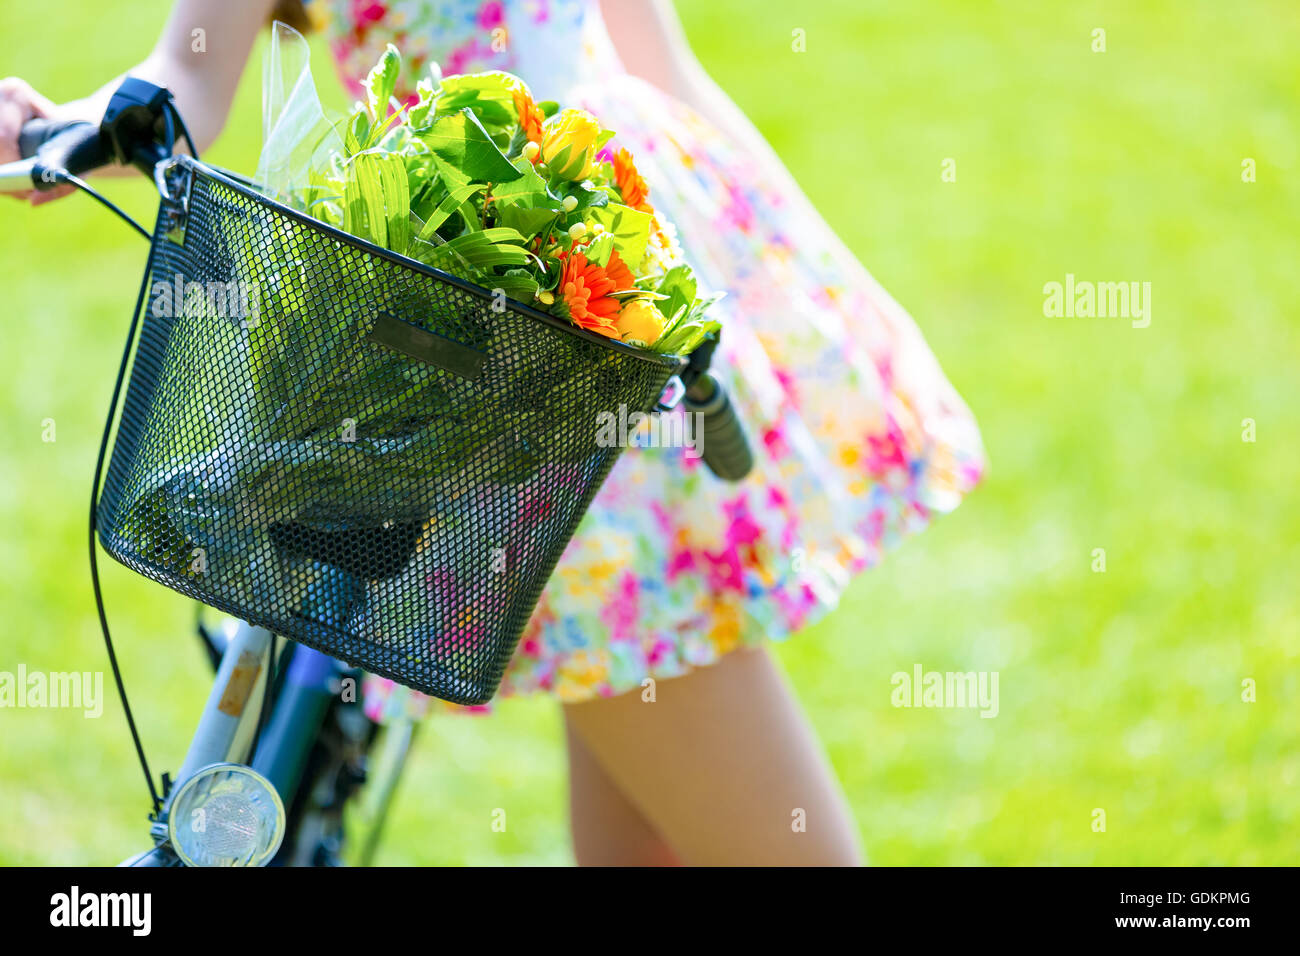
{"x": 673, "y": 573}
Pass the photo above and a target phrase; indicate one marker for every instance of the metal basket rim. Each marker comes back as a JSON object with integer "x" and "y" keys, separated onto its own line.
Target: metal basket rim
{"x": 199, "y": 168}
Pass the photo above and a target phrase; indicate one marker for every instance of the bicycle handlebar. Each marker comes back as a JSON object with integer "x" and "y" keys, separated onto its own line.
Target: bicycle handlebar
{"x": 51, "y": 148}
{"x": 723, "y": 443}
{"x": 138, "y": 128}
{"x": 37, "y": 132}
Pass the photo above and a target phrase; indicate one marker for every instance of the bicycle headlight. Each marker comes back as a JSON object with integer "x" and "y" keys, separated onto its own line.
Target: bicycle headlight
{"x": 226, "y": 815}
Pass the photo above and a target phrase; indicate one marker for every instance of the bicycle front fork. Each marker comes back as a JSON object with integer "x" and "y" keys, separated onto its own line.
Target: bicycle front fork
{"x": 228, "y": 726}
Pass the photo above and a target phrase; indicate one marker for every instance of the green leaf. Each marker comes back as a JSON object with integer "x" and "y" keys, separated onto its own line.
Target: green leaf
{"x": 356, "y": 128}
{"x": 491, "y": 247}
{"x": 449, "y": 204}
{"x": 397, "y": 202}
{"x": 588, "y": 197}
{"x": 529, "y": 188}
{"x": 449, "y": 174}
{"x": 490, "y": 95}
{"x": 419, "y": 178}
{"x": 364, "y": 214}
{"x": 687, "y": 337}
{"x": 679, "y": 286}
{"x": 389, "y": 134}
{"x": 492, "y": 114}
{"x": 517, "y": 285}
{"x": 377, "y": 201}
{"x": 528, "y": 221}
{"x": 381, "y": 81}
{"x": 502, "y": 234}
{"x": 461, "y": 141}
{"x": 629, "y": 227}
{"x": 689, "y": 323}
{"x": 626, "y": 295}
{"x": 492, "y": 85}
{"x": 599, "y": 249}
{"x": 418, "y": 115}
{"x": 494, "y": 254}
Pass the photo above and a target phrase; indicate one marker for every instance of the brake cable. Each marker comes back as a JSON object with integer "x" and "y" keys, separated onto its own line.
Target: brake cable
{"x": 94, "y": 564}
{"x": 63, "y": 176}
{"x": 172, "y": 119}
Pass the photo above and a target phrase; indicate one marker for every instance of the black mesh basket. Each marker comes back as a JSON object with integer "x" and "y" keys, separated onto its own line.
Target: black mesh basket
{"x": 349, "y": 448}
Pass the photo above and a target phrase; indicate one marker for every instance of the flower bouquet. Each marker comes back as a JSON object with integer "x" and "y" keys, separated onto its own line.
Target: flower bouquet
{"x": 476, "y": 178}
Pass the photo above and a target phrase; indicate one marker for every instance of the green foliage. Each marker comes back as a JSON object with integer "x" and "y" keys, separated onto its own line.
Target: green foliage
{"x": 629, "y": 227}
{"x": 461, "y": 140}
{"x": 381, "y": 81}
{"x": 487, "y": 95}
{"x": 446, "y": 183}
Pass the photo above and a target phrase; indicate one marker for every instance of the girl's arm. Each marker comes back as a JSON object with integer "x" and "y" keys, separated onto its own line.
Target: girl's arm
{"x": 199, "y": 56}
{"x": 652, "y": 45}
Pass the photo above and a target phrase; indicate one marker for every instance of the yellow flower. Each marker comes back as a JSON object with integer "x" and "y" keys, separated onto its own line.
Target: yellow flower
{"x": 569, "y": 144}
{"x": 639, "y": 321}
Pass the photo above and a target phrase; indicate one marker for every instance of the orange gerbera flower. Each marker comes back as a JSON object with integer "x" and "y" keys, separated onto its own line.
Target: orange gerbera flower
{"x": 530, "y": 114}
{"x": 619, "y": 273}
{"x": 631, "y": 186}
{"x": 585, "y": 288}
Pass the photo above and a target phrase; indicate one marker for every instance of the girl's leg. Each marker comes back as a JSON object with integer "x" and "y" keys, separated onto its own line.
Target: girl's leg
{"x": 724, "y": 765}
{"x": 607, "y": 829}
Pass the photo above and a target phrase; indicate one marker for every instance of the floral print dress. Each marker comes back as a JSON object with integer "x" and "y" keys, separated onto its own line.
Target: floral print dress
{"x": 859, "y": 438}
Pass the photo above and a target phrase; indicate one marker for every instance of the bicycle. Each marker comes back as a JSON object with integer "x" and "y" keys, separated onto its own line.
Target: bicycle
{"x": 279, "y": 750}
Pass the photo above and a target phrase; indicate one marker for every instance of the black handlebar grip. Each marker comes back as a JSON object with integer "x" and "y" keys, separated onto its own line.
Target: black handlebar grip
{"x": 72, "y": 146}
{"x": 36, "y": 131}
{"x": 719, "y": 431}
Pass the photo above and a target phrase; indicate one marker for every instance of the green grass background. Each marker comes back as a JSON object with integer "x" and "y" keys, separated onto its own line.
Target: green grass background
{"x": 1119, "y": 691}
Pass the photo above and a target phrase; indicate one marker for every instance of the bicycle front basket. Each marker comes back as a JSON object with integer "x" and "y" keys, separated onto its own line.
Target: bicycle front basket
{"x": 349, "y": 448}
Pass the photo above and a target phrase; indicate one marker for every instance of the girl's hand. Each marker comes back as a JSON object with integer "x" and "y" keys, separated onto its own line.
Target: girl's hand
{"x": 19, "y": 103}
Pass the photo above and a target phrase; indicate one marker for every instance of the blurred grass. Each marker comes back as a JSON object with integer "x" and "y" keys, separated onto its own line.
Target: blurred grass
{"x": 1119, "y": 691}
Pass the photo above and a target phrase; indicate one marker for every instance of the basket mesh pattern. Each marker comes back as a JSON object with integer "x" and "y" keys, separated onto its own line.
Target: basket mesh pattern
{"x": 352, "y": 451}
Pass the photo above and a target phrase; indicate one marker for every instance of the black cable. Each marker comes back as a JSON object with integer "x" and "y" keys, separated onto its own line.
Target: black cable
{"x": 64, "y": 176}
{"x": 185, "y": 132}
{"x": 94, "y": 563}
